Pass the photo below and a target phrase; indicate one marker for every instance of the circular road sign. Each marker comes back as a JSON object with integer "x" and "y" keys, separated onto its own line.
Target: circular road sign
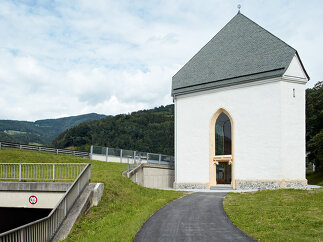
{"x": 33, "y": 200}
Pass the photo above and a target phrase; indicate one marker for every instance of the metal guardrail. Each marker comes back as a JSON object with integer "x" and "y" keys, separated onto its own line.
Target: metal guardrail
{"x": 130, "y": 156}
{"x": 40, "y": 171}
{"x": 44, "y": 149}
{"x": 44, "y": 229}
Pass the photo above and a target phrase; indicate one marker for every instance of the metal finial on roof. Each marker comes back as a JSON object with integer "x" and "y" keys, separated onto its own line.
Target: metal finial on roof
{"x": 239, "y": 6}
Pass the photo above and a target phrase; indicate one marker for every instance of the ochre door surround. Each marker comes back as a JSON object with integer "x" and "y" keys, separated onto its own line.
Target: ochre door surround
{"x": 213, "y": 159}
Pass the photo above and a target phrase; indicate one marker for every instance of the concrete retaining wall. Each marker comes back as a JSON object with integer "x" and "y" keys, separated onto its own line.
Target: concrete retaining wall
{"x": 111, "y": 158}
{"x": 35, "y": 186}
{"x": 153, "y": 176}
{"x": 21, "y": 199}
{"x": 17, "y": 194}
{"x": 48, "y": 194}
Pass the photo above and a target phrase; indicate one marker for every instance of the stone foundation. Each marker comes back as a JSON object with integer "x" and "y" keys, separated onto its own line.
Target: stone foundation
{"x": 241, "y": 184}
{"x": 190, "y": 185}
{"x": 270, "y": 184}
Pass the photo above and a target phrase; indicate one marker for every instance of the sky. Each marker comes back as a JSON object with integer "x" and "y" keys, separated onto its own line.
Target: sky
{"x": 64, "y": 58}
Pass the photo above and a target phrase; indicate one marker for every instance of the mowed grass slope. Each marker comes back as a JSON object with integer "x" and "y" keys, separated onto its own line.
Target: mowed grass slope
{"x": 279, "y": 215}
{"x": 124, "y": 207}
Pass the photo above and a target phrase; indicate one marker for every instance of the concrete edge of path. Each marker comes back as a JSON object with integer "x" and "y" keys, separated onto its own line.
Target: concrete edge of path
{"x": 208, "y": 190}
{"x": 309, "y": 187}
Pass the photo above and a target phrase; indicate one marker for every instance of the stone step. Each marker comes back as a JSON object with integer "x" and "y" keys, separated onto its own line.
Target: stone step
{"x": 221, "y": 187}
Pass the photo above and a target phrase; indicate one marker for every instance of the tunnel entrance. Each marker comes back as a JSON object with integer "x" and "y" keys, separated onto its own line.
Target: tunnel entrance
{"x": 11, "y": 218}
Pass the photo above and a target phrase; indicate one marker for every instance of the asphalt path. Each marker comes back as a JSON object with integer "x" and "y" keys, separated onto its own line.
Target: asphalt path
{"x": 196, "y": 217}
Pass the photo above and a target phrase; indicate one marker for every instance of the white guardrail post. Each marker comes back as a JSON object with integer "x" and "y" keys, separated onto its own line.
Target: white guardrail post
{"x": 19, "y": 172}
{"x": 106, "y": 154}
{"x": 0, "y": 145}
{"x": 91, "y": 152}
{"x": 65, "y": 207}
{"x": 120, "y": 155}
{"x": 159, "y": 159}
{"x": 22, "y": 235}
{"x": 89, "y": 176}
{"x": 53, "y": 172}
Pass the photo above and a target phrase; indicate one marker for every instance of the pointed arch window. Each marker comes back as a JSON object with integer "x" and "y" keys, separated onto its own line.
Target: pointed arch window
{"x": 223, "y": 142}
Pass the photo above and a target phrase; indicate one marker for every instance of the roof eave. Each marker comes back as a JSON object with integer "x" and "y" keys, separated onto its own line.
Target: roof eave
{"x": 198, "y": 88}
{"x": 307, "y": 76}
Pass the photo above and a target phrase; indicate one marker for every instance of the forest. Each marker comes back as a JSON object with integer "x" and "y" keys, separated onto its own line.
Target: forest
{"x": 147, "y": 130}
{"x": 314, "y": 124}
{"x": 153, "y": 130}
{"x": 40, "y": 131}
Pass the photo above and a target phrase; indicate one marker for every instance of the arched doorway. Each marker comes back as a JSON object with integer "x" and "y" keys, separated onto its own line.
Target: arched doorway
{"x": 221, "y": 146}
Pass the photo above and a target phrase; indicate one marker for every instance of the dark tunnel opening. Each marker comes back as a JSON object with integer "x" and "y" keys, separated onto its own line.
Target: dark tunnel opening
{"x": 11, "y": 218}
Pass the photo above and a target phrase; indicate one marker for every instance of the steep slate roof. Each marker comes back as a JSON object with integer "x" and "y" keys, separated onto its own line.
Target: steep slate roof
{"x": 241, "y": 52}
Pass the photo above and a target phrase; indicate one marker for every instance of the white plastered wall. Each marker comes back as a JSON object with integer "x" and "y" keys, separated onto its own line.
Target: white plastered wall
{"x": 295, "y": 70}
{"x": 293, "y": 130}
{"x": 293, "y": 121}
{"x": 258, "y": 111}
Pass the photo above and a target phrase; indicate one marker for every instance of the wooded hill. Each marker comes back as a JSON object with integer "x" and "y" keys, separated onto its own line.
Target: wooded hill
{"x": 314, "y": 124}
{"x": 40, "y": 131}
{"x": 147, "y": 130}
{"x": 153, "y": 130}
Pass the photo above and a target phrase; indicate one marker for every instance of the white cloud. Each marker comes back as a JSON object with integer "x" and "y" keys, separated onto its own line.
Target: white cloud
{"x": 63, "y": 58}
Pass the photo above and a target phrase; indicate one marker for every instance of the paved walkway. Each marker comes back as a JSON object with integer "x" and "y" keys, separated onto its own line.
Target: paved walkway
{"x": 196, "y": 217}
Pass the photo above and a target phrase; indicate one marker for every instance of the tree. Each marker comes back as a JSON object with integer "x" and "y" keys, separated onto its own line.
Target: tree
{"x": 314, "y": 124}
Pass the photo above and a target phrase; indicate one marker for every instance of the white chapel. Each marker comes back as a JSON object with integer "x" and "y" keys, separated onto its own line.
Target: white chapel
{"x": 240, "y": 112}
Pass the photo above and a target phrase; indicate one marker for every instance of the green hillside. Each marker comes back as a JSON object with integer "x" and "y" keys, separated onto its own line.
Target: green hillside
{"x": 124, "y": 207}
{"x": 41, "y": 131}
{"x": 147, "y": 130}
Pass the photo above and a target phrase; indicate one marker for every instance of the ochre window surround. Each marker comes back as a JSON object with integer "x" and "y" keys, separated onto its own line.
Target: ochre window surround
{"x": 215, "y": 159}
{"x": 223, "y": 135}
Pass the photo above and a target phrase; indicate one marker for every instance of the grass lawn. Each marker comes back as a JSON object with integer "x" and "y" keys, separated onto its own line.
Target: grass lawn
{"x": 124, "y": 207}
{"x": 279, "y": 215}
{"x": 14, "y": 132}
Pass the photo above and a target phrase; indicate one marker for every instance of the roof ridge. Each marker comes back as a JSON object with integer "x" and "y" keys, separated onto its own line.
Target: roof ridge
{"x": 266, "y": 30}
{"x": 240, "y": 48}
{"x": 239, "y": 13}
{"x": 206, "y": 44}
